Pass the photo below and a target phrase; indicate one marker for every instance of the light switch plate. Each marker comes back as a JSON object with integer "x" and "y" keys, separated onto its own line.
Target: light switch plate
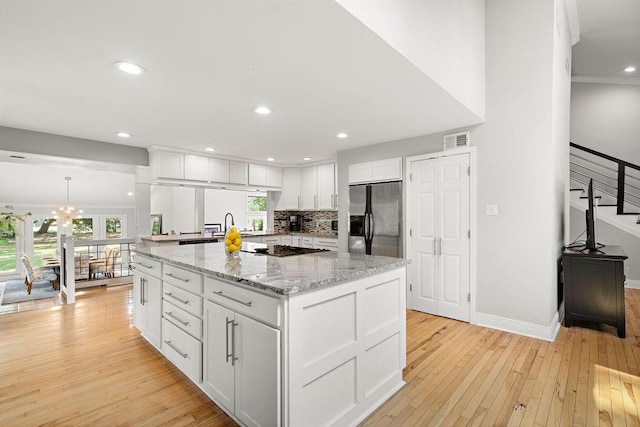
{"x": 491, "y": 210}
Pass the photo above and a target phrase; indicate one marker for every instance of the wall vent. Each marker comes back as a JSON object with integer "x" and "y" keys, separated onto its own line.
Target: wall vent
{"x": 456, "y": 140}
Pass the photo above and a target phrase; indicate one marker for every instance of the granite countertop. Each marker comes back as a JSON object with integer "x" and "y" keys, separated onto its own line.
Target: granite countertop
{"x": 280, "y": 275}
{"x": 190, "y": 237}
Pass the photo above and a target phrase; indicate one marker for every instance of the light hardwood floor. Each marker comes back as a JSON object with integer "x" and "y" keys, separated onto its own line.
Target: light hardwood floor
{"x": 87, "y": 365}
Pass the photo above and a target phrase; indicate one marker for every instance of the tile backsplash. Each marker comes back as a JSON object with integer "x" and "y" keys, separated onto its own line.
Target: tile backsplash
{"x": 313, "y": 222}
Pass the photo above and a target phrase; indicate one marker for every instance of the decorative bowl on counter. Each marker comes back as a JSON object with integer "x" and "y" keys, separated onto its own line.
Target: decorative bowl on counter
{"x": 232, "y": 241}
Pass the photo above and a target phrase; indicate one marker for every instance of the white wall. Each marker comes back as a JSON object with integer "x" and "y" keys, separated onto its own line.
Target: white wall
{"x": 218, "y": 202}
{"x": 604, "y": 117}
{"x": 177, "y": 206}
{"x": 444, "y": 39}
{"x": 520, "y": 166}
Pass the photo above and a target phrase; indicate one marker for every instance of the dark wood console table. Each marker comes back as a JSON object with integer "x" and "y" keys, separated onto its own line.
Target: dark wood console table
{"x": 594, "y": 287}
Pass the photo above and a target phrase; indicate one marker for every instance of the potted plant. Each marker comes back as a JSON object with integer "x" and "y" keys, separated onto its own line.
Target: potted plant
{"x": 8, "y": 222}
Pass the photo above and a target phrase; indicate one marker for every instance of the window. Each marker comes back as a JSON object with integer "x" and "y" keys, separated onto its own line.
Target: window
{"x": 113, "y": 228}
{"x": 83, "y": 229}
{"x": 8, "y": 252}
{"x": 257, "y": 211}
{"x": 45, "y": 239}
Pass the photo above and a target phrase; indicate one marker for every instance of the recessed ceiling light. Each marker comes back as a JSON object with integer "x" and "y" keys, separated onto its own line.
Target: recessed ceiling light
{"x": 209, "y": 149}
{"x": 342, "y": 135}
{"x": 270, "y": 159}
{"x": 129, "y": 68}
{"x": 123, "y": 134}
{"x": 130, "y": 193}
{"x": 630, "y": 69}
{"x": 306, "y": 158}
{"x": 262, "y": 110}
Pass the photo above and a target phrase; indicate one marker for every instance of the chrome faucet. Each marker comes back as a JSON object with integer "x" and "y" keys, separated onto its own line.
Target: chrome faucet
{"x": 225, "y": 221}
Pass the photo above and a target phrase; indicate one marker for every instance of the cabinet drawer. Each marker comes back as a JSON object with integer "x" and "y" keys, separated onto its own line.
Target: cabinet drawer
{"x": 180, "y": 298}
{"x": 182, "y": 350}
{"x": 185, "y": 279}
{"x": 320, "y": 243}
{"x": 306, "y": 242}
{"x": 182, "y": 319}
{"x": 149, "y": 266}
{"x": 253, "y": 304}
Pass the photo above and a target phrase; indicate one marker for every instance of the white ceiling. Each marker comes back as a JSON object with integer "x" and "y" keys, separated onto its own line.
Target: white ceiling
{"x": 209, "y": 63}
{"x": 609, "y": 40}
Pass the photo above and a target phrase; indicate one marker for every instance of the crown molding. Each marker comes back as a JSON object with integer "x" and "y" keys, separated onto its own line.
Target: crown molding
{"x": 606, "y": 80}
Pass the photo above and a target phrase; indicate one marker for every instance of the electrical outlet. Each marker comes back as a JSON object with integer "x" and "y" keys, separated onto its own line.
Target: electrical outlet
{"x": 491, "y": 210}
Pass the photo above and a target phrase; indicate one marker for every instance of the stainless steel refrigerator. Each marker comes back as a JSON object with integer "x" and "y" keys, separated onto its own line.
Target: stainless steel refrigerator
{"x": 375, "y": 219}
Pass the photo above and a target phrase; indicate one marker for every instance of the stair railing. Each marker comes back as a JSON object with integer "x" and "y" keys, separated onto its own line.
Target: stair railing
{"x": 614, "y": 177}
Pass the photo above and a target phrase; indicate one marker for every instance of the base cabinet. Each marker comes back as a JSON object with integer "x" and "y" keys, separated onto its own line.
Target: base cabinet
{"x": 147, "y": 313}
{"x": 242, "y": 365}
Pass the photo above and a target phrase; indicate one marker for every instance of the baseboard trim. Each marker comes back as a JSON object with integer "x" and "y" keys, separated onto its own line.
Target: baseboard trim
{"x": 547, "y": 333}
{"x": 632, "y": 284}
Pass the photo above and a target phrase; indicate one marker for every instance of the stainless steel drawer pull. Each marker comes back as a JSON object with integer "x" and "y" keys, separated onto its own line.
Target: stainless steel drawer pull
{"x": 248, "y": 303}
{"x": 145, "y": 265}
{"x": 169, "y": 294}
{"x": 177, "y": 319}
{"x": 176, "y": 349}
{"x": 177, "y": 277}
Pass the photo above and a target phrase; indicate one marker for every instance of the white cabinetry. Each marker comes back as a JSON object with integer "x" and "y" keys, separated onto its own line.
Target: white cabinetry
{"x": 327, "y": 197}
{"x": 306, "y": 242}
{"x": 325, "y": 243}
{"x": 238, "y": 172}
{"x": 242, "y": 355}
{"x": 147, "y": 299}
{"x": 169, "y": 165}
{"x": 219, "y": 170}
{"x": 291, "y": 188}
{"x": 265, "y": 176}
{"x": 296, "y": 241}
{"x": 271, "y": 240}
{"x": 309, "y": 188}
{"x": 379, "y": 170}
{"x": 196, "y": 168}
{"x": 257, "y": 174}
{"x": 285, "y": 240}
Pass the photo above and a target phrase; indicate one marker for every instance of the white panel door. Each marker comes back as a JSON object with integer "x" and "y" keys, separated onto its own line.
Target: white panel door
{"x": 424, "y": 196}
{"x": 218, "y": 371}
{"x": 453, "y": 246}
{"x": 257, "y": 372}
{"x": 309, "y": 188}
{"x": 440, "y": 251}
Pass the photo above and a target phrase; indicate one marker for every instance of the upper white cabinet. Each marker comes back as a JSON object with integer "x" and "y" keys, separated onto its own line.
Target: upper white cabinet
{"x": 309, "y": 188}
{"x": 379, "y": 170}
{"x": 290, "y": 198}
{"x": 327, "y": 197}
{"x": 219, "y": 170}
{"x": 169, "y": 165}
{"x": 267, "y": 176}
{"x": 238, "y": 172}
{"x": 196, "y": 168}
{"x": 274, "y": 176}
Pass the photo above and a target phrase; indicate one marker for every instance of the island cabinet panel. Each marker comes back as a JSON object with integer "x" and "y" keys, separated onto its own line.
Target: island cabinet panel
{"x": 182, "y": 278}
{"x": 253, "y": 304}
{"x": 182, "y": 350}
{"x": 147, "y": 299}
{"x": 180, "y": 298}
{"x": 242, "y": 365}
{"x": 343, "y": 359}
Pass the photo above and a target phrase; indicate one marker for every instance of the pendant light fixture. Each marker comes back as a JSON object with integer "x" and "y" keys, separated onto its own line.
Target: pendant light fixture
{"x": 66, "y": 214}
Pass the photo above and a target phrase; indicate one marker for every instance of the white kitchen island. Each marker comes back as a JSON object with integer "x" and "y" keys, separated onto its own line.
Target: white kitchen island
{"x": 316, "y": 339}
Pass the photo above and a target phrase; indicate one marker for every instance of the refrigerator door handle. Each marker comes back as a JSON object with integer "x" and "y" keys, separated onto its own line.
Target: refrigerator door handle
{"x": 371, "y": 226}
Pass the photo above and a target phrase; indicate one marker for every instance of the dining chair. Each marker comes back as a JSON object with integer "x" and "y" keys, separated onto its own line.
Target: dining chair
{"x": 37, "y": 274}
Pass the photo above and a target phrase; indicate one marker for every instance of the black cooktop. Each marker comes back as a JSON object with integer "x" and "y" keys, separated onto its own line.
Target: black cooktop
{"x": 277, "y": 250}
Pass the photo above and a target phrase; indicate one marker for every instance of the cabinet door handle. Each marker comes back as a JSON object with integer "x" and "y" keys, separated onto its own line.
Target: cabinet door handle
{"x": 315, "y": 201}
{"x": 336, "y": 201}
{"x": 332, "y": 203}
{"x": 440, "y": 246}
{"x": 177, "y": 277}
{"x": 169, "y": 294}
{"x": 233, "y": 343}
{"x": 247, "y": 303}
{"x": 177, "y": 319}
{"x": 298, "y": 202}
{"x": 226, "y": 340}
{"x": 176, "y": 349}
{"x": 143, "y": 282}
{"x": 145, "y": 265}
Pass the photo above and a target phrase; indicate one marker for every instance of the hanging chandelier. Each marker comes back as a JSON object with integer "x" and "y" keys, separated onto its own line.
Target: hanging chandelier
{"x": 66, "y": 214}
